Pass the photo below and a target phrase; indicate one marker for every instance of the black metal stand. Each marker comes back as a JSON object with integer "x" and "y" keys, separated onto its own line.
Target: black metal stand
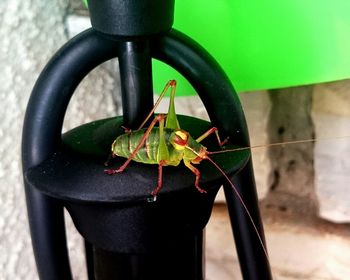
{"x": 126, "y": 237}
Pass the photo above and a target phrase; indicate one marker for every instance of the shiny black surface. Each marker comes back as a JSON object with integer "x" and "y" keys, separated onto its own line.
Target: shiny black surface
{"x": 76, "y": 171}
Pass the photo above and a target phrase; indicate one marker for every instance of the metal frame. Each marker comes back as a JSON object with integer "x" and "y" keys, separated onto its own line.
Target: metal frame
{"x": 45, "y": 115}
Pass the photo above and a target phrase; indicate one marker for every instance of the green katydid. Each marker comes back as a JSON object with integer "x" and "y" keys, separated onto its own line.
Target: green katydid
{"x": 164, "y": 145}
{"x": 168, "y": 144}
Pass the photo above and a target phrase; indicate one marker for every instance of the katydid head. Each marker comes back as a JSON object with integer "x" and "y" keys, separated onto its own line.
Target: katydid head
{"x": 179, "y": 139}
{"x": 192, "y": 150}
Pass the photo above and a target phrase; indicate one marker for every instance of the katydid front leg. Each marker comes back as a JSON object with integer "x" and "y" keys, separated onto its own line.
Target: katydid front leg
{"x": 211, "y": 131}
{"x": 197, "y": 173}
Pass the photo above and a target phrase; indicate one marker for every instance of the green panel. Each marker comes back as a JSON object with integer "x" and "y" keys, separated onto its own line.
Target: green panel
{"x": 267, "y": 43}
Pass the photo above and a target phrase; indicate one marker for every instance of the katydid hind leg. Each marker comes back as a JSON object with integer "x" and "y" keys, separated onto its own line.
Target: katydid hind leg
{"x": 155, "y": 192}
{"x": 170, "y": 83}
{"x": 163, "y": 152}
{"x": 171, "y": 121}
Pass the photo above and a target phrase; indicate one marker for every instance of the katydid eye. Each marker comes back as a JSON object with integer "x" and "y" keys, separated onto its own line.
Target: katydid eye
{"x": 181, "y": 134}
{"x": 181, "y": 137}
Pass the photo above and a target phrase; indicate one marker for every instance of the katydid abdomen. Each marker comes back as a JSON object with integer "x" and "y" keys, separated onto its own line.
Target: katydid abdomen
{"x": 126, "y": 143}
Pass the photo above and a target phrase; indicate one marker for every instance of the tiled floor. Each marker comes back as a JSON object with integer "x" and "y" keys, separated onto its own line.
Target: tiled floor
{"x": 298, "y": 249}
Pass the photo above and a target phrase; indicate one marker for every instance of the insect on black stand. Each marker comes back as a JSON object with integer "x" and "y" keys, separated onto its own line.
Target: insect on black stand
{"x": 126, "y": 236}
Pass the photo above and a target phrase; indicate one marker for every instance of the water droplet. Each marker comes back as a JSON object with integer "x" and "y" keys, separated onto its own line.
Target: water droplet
{"x": 152, "y": 199}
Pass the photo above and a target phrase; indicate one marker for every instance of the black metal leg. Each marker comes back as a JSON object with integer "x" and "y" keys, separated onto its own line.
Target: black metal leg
{"x": 48, "y": 235}
{"x": 224, "y": 109}
{"x": 253, "y": 260}
{"x": 41, "y": 137}
{"x": 89, "y": 256}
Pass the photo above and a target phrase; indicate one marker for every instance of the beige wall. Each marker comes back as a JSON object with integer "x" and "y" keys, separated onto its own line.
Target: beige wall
{"x": 24, "y": 48}
{"x": 31, "y": 32}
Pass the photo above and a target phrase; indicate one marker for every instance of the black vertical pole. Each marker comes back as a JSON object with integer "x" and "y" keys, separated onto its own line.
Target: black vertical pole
{"x": 184, "y": 262}
{"x": 251, "y": 253}
{"x": 137, "y": 99}
{"x": 135, "y": 66}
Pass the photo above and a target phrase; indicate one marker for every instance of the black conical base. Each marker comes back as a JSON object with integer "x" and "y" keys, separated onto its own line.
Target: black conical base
{"x": 113, "y": 212}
